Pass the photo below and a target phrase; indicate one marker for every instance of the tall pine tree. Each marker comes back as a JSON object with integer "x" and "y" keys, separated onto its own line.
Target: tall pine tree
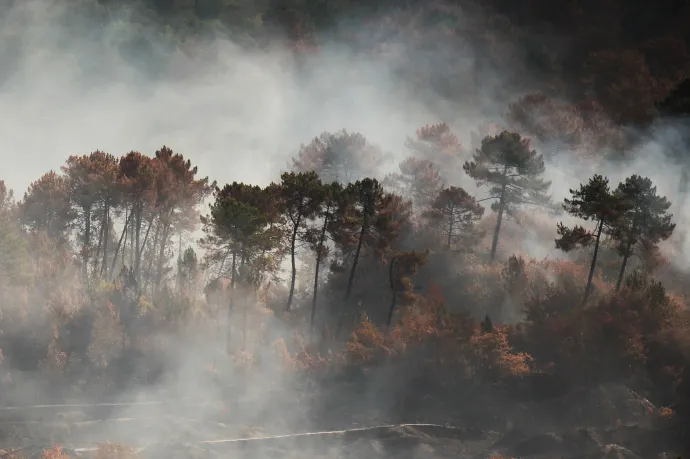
{"x": 644, "y": 222}
{"x": 513, "y": 171}
{"x": 593, "y": 201}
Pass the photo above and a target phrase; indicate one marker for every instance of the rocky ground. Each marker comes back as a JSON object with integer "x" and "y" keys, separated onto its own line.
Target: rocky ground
{"x": 348, "y": 420}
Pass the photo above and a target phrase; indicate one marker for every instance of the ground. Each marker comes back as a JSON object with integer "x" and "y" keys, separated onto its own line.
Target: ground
{"x": 361, "y": 417}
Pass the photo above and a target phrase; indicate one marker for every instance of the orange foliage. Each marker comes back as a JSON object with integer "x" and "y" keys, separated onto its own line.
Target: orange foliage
{"x": 366, "y": 341}
{"x": 491, "y": 354}
{"x": 666, "y": 412}
{"x": 54, "y": 453}
{"x": 304, "y": 357}
{"x": 455, "y": 338}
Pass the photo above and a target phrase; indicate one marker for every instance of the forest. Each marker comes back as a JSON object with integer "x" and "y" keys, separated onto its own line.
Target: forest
{"x": 355, "y": 258}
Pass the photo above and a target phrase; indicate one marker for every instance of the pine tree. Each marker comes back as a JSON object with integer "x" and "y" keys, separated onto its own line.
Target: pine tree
{"x": 365, "y": 198}
{"x": 371, "y": 218}
{"x": 593, "y": 201}
{"x": 138, "y": 187}
{"x": 644, "y": 223}
{"x": 300, "y": 196}
{"x": 513, "y": 171}
{"x": 178, "y": 193}
{"x": 105, "y": 171}
{"x": 85, "y": 175}
{"x": 317, "y": 235}
{"x": 437, "y": 145}
{"x": 237, "y": 229}
{"x": 342, "y": 157}
{"x": 419, "y": 180}
{"x": 454, "y": 213}
{"x": 46, "y": 207}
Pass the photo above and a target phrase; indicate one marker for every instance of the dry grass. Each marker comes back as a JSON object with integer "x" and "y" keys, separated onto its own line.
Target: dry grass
{"x": 115, "y": 451}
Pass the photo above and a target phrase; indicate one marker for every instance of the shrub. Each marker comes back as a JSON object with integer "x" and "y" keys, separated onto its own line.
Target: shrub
{"x": 492, "y": 356}
{"x": 55, "y": 452}
{"x": 107, "y": 336}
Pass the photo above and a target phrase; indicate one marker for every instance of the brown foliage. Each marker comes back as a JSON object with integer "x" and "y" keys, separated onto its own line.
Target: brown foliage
{"x": 340, "y": 156}
{"x": 107, "y": 336}
{"x": 623, "y": 85}
{"x": 436, "y": 144}
{"x": 46, "y": 206}
{"x": 419, "y": 180}
{"x": 610, "y": 338}
{"x": 454, "y": 339}
{"x": 55, "y": 452}
{"x": 540, "y": 116}
{"x": 493, "y": 356}
{"x": 454, "y": 214}
{"x": 668, "y": 61}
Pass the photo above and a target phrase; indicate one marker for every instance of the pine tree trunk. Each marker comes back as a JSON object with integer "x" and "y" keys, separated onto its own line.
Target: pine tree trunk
{"x": 316, "y": 275}
{"x": 231, "y": 303}
{"x": 106, "y": 224}
{"x": 131, "y": 237}
{"x": 244, "y": 322}
{"x": 128, "y": 217}
{"x": 354, "y": 262}
{"x": 621, "y": 274}
{"x": 137, "y": 236}
{"x": 101, "y": 233}
{"x": 180, "y": 287}
{"x": 588, "y": 288}
{"x": 143, "y": 282}
{"x": 125, "y": 233}
{"x": 497, "y": 230}
{"x": 149, "y": 265}
{"x": 161, "y": 256}
{"x": 87, "y": 241}
{"x": 292, "y": 259}
{"x": 233, "y": 269}
{"x": 450, "y": 231}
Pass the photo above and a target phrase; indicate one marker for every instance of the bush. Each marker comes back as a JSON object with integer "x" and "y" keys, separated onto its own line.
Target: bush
{"x": 54, "y": 453}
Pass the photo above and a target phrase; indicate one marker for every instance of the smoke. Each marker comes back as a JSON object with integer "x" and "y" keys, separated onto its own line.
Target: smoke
{"x": 237, "y": 114}
{"x": 74, "y": 83}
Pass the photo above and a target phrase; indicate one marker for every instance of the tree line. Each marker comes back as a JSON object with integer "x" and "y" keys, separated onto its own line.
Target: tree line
{"x": 151, "y": 199}
{"x": 123, "y": 215}
{"x": 251, "y": 228}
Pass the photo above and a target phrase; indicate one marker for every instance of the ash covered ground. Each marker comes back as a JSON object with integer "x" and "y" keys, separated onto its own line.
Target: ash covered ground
{"x": 345, "y": 418}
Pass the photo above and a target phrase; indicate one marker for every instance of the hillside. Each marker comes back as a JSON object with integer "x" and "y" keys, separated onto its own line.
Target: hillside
{"x": 344, "y": 229}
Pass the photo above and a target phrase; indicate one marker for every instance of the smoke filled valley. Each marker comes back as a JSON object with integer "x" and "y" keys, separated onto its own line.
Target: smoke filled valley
{"x": 344, "y": 229}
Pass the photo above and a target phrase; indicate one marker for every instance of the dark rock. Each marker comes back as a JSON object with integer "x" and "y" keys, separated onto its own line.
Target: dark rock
{"x": 548, "y": 443}
{"x": 605, "y": 405}
{"x": 617, "y": 452}
{"x": 581, "y": 441}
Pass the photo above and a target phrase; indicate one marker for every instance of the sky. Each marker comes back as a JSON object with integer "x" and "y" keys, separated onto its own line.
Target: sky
{"x": 238, "y": 115}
